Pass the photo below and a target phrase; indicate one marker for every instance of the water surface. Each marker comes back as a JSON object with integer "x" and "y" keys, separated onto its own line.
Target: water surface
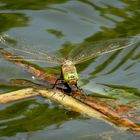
{"x": 54, "y": 26}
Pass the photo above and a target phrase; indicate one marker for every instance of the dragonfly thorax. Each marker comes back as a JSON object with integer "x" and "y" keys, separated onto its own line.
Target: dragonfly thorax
{"x": 68, "y": 63}
{"x": 69, "y": 72}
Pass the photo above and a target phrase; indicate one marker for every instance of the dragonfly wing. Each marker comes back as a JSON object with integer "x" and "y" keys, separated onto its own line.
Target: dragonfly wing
{"x": 21, "y": 51}
{"x": 86, "y": 51}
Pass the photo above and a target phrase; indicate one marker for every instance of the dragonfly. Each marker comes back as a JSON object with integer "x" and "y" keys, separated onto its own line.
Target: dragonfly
{"x": 80, "y": 53}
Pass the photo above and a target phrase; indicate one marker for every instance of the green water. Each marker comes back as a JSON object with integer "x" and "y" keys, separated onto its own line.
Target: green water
{"x": 53, "y": 26}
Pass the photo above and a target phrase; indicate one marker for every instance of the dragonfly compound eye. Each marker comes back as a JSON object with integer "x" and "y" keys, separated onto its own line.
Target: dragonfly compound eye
{"x": 71, "y": 78}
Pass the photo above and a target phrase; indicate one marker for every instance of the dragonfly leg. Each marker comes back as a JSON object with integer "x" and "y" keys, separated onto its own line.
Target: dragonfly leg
{"x": 57, "y": 82}
{"x": 78, "y": 88}
{"x": 81, "y": 90}
{"x": 60, "y": 84}
{"x": 69, "y": 89}
{"x": 53, "y": 94}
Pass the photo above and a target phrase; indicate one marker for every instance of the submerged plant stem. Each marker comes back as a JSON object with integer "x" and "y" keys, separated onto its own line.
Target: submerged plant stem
{"x": 33, "y": 69}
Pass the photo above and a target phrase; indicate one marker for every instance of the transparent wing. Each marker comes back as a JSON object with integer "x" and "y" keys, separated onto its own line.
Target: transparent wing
{"x": 21, "y": 51}
{"x": 86, "y": 51}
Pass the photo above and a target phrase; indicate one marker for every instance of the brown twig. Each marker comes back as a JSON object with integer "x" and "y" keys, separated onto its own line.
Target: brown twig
{"x": 35, "y": 70}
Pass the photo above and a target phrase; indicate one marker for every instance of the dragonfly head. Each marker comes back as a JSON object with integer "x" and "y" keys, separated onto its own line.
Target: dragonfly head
{"x": 71, "y": 78}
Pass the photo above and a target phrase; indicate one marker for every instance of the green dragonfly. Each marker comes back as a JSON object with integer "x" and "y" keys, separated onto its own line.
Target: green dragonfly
{"x": 80, "y": 53}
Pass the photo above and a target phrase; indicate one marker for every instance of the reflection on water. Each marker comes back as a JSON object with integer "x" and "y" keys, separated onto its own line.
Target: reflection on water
{"x": 54, "y": 26}
{"x": 31, "y": 115}
{"x": 11, "y": 20}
